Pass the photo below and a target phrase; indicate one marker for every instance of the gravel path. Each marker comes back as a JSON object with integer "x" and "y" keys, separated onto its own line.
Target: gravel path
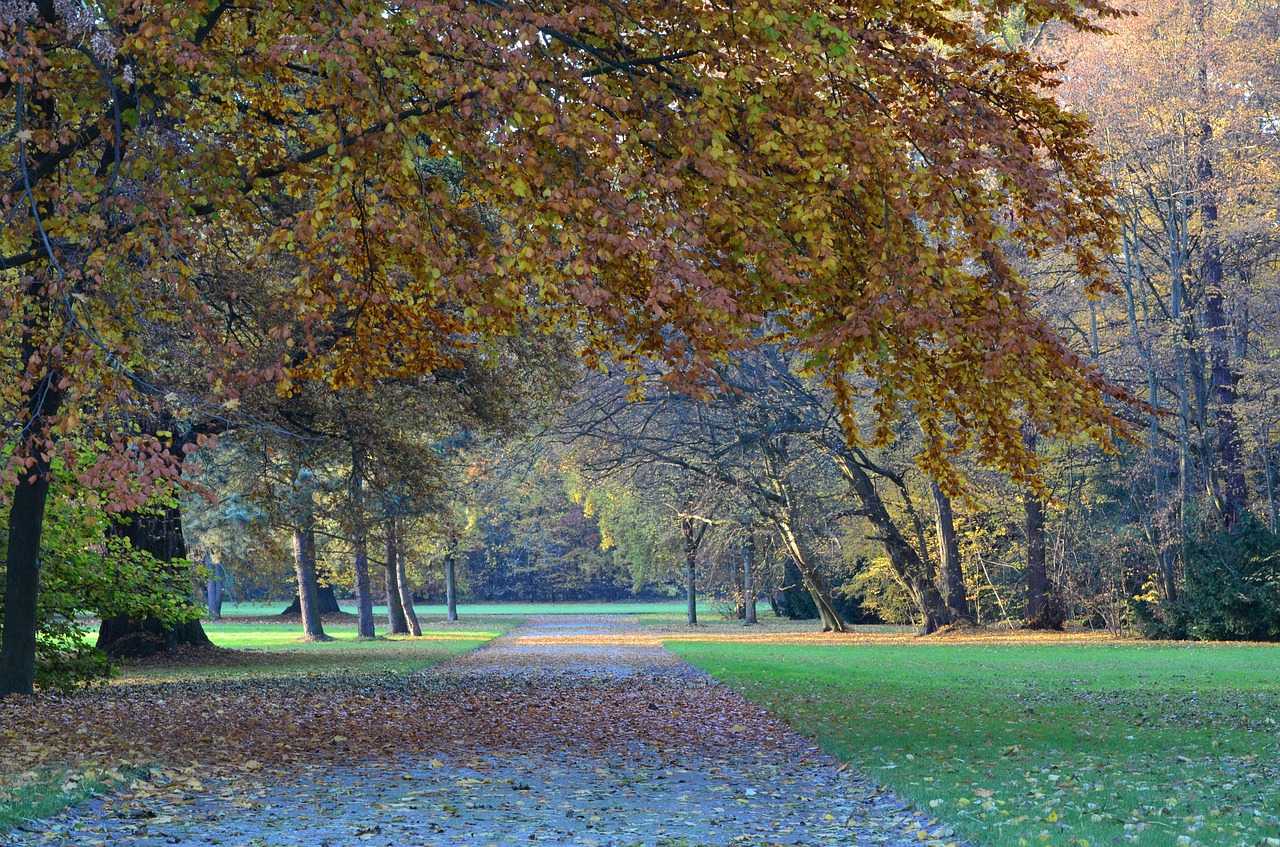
{"x": 592, "y": 735}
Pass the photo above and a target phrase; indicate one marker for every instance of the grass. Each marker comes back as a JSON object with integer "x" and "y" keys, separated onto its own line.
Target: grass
{"x": 466, "y": 610}
{"x": 41, "y": 793}
{"x": 1073, "y": 742}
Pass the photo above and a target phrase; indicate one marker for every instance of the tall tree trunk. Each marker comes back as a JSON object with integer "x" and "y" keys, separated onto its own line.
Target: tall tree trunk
{"x": 1222, "y": 378}
{"x": 692, "y": 541}
{"x": 451, "y": 584}
{"x": 159, "y": 534}
{"x": 22, "y": 566}
{"x": 213, "y": 588}
{"x": 402, "y": 586}
{"x": 950, "y": 573}
{"x": 1043, "y": 610}
{"x": 304, "y": 566}
{"x": 360, "y": 546}
{"x": 397, "y": 623}
{"x": 813, "y": 578}
{"x": 748, "y": 578}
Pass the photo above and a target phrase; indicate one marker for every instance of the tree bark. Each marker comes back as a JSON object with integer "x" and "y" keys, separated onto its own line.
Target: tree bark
{"x": 950, "y": 573}
{"x": 912, "y": 570}
{"x": 22, "y": 580}
{"x": 159, "y": 535}
{"x": 1043, "y": 610}
{"x": 1233, "y": 501}
{"x": 692, "y": 541}
{"x": 304, "y": 564}
{"x": 748, "y": 578}
{"x": 406, "y": 594}
{"x": 450, "y": 585}
{"x": 397, "y": 623}
{"x": 785, "y": 520}
{"x": 360, "y": 544}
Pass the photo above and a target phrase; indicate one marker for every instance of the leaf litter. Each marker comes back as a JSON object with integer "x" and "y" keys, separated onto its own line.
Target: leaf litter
{"x": 545, "y": 735}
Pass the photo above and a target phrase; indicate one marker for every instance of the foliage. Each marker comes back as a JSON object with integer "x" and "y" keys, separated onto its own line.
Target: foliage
{"x": 1231, "y": 593}
{"x": 880, "y": 593}
{"x": 85, "y": 570}
{"x": 1033, "y": 740}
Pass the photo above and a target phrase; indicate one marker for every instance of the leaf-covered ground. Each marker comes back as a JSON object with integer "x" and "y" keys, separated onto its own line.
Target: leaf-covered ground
{"x": 566, "y": 730}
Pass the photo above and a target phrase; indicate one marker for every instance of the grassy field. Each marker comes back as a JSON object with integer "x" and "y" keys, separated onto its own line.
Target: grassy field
{"x": 1059, "y": 742}
{"x": 489, "y": 609}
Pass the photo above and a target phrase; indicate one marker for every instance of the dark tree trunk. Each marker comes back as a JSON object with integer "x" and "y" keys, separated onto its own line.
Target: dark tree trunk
{"x": 406, "y": 595}
{"x": 308, "y": 603}
{"x": 397, "y": 623}
{"x": 692, "y": 530}
{"x": 748, "y": 578}
{"x": 950, "y": 574}
{"x": 159, "y": 535}
{"x": 1233, "y": 501}
{"x": 326, "y": 597}
{"x": 22, "y": 581}
{"x": 1043, "y": 610}
{"x": 360, "y": 543}
{"x": 213, "y": 588}
{"x": 450, "y": 585}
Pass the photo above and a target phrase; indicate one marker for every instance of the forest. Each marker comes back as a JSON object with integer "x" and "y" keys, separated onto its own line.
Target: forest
{"x": 640, "y": 423}
{"x": 486, "y": 303}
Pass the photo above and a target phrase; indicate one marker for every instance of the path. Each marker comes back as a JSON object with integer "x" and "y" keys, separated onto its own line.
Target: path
{"x": 574, "y": 731}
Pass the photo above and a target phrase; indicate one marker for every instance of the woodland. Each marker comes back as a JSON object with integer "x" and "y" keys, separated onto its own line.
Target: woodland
{"x": 935, "y": 314}
{"x": 905, "y": 370}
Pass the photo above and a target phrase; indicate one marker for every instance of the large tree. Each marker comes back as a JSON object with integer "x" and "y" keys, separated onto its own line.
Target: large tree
{"x": 660, "y": 176}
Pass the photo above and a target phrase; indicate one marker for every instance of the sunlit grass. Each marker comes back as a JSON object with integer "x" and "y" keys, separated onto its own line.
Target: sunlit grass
{"x": 487, "y": 609}
{"x": 1040, "y": 743}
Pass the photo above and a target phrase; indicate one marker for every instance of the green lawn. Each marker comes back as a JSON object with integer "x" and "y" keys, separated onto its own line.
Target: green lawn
{"x": 471, "y": 609}
{"x": 1041, "y": 743}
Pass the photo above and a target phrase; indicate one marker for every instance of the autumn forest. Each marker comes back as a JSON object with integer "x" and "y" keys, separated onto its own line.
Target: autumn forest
{"x": 393, "y": 370}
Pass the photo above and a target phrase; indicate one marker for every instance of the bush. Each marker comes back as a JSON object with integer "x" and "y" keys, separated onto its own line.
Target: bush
{"x": 85, "y": 573}
{"x": 1231, "y": 591}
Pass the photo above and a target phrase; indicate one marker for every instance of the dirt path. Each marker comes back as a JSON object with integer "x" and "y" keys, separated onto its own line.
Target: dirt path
{"x": 567, "y": 730}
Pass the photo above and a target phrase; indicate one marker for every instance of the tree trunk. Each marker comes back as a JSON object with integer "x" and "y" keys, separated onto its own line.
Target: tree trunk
{"x": 692, "y": 541}
{"x": 450, "y": 585}
{"x": 22, "y": 581}
{"x": 1043, "y": 610}
{"x": 397, "y": 623}
{"x": 326, "y": 597}
{"x": 950, "y": 573}
{"x": 213, "y": 589}
{"x": 748, "y": 578}
{"x": 813, "y": 578}
{"x": 785, "y": 519}
{"x": 304, "y": 563}
{"x": 159, "y": 535}
{"x": 360, "y": 544}
{"x": 406, "y": 594}
{"x": 912, "y": 570}
{"x": 1233, "y": 501}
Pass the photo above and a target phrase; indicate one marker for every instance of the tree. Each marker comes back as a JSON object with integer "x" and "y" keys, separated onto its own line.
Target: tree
{"x": 661, "y": 184}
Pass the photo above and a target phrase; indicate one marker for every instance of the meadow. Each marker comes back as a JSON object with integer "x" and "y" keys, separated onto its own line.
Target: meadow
{"x": 1028, "y": 741}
